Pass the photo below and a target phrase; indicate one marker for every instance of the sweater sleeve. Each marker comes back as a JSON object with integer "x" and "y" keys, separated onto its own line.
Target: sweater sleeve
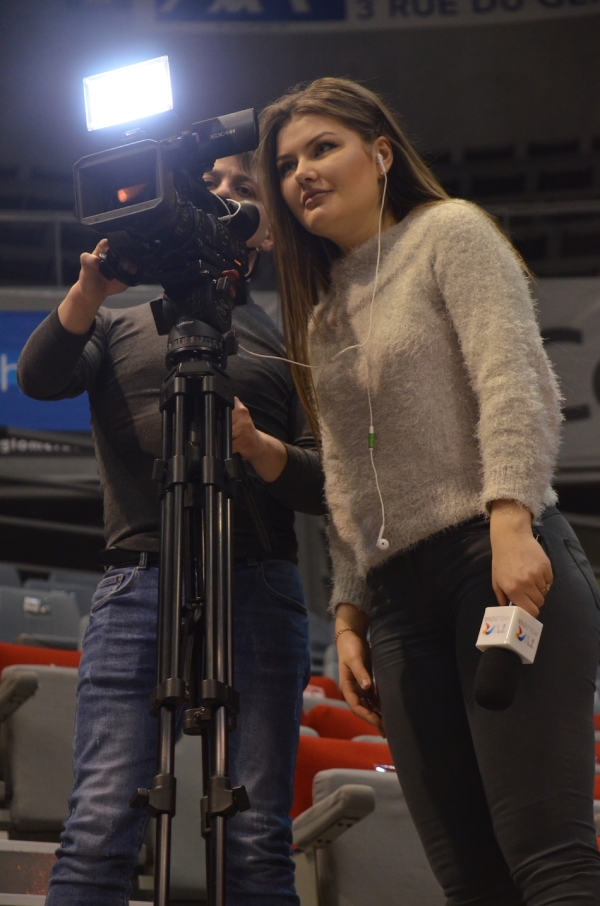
{"x": 349, "y": 586}
{"x": 56, "y": 364}
{"x": 487, "y": 297}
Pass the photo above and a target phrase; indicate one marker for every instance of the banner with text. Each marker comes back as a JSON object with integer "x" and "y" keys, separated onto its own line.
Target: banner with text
{"x": 344, "y": 15}
{"x": 18, "y": 410}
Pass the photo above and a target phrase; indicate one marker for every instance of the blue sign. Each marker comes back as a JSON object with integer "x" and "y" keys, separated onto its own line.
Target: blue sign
{"x": 18, "y": 410}
{"x": 251, "y": 10}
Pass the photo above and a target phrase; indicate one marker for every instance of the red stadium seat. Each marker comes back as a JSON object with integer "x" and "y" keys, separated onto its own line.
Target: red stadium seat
{"x": 31, "y": 654}
{"x": 316, "y": 754}
{"x": 336, "y": 723}
{"x": 329, "y": 686}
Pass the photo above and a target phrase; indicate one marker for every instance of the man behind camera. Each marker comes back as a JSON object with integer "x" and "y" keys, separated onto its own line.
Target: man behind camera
{"x": 118, "y": 358}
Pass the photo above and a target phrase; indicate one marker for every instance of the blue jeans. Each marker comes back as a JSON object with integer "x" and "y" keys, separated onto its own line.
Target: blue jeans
{"x": 115, "y": 737}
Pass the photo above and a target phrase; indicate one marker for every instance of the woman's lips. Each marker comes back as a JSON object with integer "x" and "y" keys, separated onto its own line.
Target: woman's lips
{"x": 315, "y": 197}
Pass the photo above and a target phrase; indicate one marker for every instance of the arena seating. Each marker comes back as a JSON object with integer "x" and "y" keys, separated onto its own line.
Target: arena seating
{"x": 378, "y": 859}
{"x": 42, "y": 617}
{"x": 81, "y": 592}
{"x": 9, "y": 575}
{"x": 336, "y": 723}
{"x": 328, "y": 685}
{"x": 30, "y": 654}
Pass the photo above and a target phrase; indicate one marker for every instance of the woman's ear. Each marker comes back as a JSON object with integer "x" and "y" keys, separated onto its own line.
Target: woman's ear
{"x": 382, "y": 146}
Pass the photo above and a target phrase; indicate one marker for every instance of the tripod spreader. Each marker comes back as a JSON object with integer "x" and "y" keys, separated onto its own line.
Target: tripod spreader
{"x": 211, "y": 694}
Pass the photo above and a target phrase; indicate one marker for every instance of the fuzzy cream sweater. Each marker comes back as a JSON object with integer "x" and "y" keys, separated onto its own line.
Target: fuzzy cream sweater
{"x": 466, "y": 408}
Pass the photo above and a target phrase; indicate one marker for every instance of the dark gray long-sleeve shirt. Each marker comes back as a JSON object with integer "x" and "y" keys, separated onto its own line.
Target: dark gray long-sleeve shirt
{"x": 121, "y": 364}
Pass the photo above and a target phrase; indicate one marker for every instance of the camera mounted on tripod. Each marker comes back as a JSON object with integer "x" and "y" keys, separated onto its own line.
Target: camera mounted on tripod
{"x": 149, "y": 199}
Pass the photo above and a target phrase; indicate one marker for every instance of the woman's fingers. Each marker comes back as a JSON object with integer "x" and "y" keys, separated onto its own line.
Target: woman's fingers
{"x": 361, "y": 708}
{"x": 548, "y": 576}
{"x": 521, "y": 570}
{"x": 357, "y": 687}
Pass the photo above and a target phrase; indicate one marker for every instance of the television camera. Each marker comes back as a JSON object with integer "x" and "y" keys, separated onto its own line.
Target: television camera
{"x": 149, "y": 199}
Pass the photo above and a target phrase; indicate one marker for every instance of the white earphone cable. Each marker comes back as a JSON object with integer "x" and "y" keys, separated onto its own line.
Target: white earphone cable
{"x": 354, "y": 345}
{"x": 382, "y": 542}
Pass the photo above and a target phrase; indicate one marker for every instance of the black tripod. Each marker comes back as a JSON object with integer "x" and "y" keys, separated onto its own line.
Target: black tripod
{"x": 197, "y": 475}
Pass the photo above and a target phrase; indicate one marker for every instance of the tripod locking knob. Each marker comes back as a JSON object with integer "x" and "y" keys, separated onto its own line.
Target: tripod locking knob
{"x": 231, "y": 343}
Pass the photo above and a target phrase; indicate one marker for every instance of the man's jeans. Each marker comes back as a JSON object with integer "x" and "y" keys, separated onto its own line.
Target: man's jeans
{"x": 115, "y": 737}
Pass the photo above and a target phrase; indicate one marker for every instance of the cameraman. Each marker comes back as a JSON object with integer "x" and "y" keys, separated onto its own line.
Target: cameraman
{"x": 117, "y": 356}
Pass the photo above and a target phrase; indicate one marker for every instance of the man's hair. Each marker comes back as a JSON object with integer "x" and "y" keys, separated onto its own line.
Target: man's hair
{"x": 246, "y": 158}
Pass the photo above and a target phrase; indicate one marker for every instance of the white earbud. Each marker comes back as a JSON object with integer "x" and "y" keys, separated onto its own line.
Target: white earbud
{"x": 382, "y": 543}
{"x": 382, "y": 169}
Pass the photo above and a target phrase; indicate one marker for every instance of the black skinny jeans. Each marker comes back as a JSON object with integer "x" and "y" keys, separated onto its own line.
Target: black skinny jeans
{"x": 502, "y": 800}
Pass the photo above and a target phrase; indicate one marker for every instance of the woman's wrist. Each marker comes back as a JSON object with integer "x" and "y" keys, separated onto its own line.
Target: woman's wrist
{"x": 349, "y": 618}
{"x": 347, "y": 629}
{"x": 510, "y": 515}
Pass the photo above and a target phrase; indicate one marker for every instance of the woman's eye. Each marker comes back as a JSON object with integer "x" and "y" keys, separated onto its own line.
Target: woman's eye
{"x": 209, "y": 183}
{"x": 285, "y": 168}
{"x": 323, "y": 147}
{"x": 246, "y": 191}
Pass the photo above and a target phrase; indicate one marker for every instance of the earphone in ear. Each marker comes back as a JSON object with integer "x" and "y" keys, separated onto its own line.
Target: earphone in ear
{"x": 382, "y": 543}
{"x": 382, "y": 169}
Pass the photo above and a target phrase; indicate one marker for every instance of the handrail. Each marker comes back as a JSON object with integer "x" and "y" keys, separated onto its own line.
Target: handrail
{"x": 38, "y": 216}
{"x": 543, "y": 208}
{"x": 55, "y": 218}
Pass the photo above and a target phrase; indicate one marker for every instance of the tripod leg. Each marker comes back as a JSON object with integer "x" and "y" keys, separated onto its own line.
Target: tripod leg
{"x": 194, "y": 470}
{"x": 162, "y": 856}
{"x": 218, "y": 643}
{"x": 169, "y": 691}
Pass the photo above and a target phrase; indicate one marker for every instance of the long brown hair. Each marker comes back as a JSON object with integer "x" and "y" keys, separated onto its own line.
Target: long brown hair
{"x": 304, "y": 260}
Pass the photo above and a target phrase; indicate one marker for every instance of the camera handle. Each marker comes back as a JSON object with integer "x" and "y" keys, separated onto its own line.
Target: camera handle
{"x": 111, "y": 269}
{"x": 197, "y": 477}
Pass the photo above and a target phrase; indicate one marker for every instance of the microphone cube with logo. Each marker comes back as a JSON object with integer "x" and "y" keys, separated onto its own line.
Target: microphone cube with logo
{"x": 509, "y": 637}
{"x": 510, "y": 627}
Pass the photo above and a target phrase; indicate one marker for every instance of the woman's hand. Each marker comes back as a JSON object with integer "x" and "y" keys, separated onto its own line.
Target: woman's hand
{"x": 521, "y": 571}
{"x": 78, "y": 310}
{"x": 354, "y": 655}
{"x": 267, "y": 454}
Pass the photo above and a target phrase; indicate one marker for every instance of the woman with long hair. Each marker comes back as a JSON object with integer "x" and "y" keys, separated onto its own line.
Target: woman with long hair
{"x": 419, "y": 359}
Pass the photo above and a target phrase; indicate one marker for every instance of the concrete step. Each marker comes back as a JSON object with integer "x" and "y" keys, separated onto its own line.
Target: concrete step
{"x": 23, "y": 899}
{"x": 24, "y": 872}
{"x": 25, "y": 867}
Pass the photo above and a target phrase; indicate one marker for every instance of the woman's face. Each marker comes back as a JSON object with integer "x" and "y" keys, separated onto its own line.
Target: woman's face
{"x": 330, "y": 179}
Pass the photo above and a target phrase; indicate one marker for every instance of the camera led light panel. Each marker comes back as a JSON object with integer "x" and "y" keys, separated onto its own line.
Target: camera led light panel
{"x": 128, "y": 94}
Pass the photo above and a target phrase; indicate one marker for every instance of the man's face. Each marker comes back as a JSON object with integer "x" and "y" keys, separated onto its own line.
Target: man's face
{"x": 229, "y": 180}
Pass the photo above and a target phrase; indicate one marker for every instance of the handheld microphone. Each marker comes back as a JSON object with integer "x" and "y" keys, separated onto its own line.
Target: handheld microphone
{"x": 508, "y": 637}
